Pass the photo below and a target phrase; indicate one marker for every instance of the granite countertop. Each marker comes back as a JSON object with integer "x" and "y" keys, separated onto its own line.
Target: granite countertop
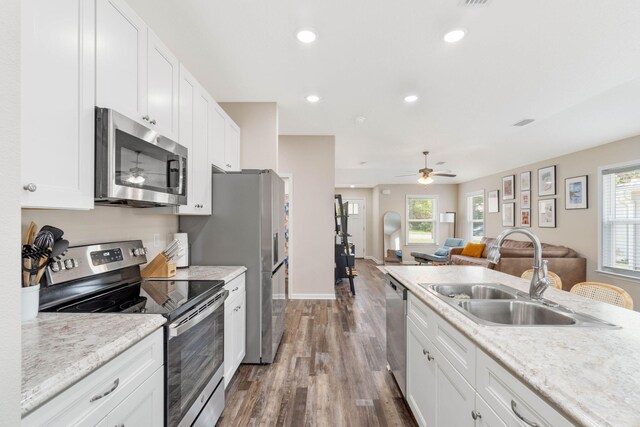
{"x": 591, "y": 375}
{"x": 204, "y": 272}
{"x": 59, "y": 349}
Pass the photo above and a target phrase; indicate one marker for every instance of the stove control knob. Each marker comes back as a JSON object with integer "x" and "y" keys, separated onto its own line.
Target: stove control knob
{"x": 68, "y": 264}
{"x": 136, "y": 252}
{"x": 76, "y": 264}
{"x": 55, "y": 266}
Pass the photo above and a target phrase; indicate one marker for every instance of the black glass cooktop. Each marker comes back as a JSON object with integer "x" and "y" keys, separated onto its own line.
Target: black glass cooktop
{"x": 169, "y": 298}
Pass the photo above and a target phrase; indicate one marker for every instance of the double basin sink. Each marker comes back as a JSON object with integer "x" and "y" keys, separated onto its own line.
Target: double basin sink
{"x": 499, "y": 305}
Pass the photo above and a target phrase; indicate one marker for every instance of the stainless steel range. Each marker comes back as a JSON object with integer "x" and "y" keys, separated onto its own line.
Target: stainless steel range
{"x": 106, "y": 278}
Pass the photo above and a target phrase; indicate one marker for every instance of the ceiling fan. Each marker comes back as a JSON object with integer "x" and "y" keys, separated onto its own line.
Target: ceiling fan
{"x": 427, "y": 174}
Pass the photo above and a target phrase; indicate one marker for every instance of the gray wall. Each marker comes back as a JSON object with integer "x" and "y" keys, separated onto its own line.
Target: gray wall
{"x": 577, "y": 229}
{"x": 311, "y": 162}
{"x": 10, "y": 349}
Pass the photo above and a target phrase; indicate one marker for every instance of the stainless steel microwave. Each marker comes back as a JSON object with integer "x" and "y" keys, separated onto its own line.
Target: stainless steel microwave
{"x": 136, "y": 166}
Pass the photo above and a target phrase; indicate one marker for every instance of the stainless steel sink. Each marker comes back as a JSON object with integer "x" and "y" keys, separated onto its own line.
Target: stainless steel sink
{"x": 515, "y": 313}
{"x": 495, "y": 304}
{"x": 475, "y": 291}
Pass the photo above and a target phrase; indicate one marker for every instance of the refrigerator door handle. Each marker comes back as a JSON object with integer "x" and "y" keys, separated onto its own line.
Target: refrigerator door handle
{"x": 275, "y": 248}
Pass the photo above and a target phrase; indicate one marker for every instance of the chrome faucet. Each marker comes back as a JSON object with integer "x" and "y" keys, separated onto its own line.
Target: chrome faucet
{"x": 539, "y": 281}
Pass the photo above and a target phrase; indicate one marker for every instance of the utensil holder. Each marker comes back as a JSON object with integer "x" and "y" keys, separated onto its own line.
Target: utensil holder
{"x": 159, "y": 267}
{"x": 30, "y": 302}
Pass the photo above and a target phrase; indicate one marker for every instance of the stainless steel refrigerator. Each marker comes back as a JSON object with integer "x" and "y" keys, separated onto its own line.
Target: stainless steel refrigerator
{"x": 246, "y": 227}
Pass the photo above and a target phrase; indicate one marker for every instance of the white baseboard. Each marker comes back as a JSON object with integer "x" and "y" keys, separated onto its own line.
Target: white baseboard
{"x": 312, "y": 296}
{"x": 374, "y": 259}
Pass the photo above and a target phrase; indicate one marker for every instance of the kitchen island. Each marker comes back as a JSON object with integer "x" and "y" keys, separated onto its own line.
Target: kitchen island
{"x": 60, "y": 349}
{"x": 589, "y": 375}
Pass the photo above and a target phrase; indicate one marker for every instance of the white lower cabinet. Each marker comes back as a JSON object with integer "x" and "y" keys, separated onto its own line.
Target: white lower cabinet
{"x": 450, "y": 382}
{"x": 235, "y": 327}
{"x": 128, "y": 390}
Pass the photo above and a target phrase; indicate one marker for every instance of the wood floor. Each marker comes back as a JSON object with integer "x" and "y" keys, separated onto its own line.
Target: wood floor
{"x": 330, "y": 369}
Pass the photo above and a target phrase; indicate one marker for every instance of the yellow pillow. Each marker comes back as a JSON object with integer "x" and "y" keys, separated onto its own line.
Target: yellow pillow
{"x": 473, "y": 250}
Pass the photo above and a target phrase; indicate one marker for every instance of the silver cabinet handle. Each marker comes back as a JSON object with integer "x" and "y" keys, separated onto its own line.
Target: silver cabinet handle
{"x": 31, "y": 187}
{"x": 106, "y": 393}
{"x": 153, "y": 121}
{"x": 524, "y": 420}
{"x": 146, "y": 118}
{"x": 429, "y": 357}
{"x": 424, "y": 352}
{"x": 476, "y": 415}
{"x": 235, "y": 289}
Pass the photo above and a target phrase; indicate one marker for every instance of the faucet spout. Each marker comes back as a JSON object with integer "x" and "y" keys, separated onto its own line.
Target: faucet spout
{"x": 539, "y": 281}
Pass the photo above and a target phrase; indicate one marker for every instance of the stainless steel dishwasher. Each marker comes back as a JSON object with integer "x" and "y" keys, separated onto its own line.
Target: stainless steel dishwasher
{"x": 396, "y": 303}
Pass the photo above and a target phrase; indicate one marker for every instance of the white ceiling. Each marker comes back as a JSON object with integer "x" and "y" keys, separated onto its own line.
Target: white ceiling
{"x": 573, "y": 65}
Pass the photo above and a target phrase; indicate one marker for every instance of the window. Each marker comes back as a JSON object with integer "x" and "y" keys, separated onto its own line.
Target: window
{"x": 620, "y": 216}
{"x": 475, "y": 216}
{"x": 353, "y": 209}
{"x": 421, "y": 222}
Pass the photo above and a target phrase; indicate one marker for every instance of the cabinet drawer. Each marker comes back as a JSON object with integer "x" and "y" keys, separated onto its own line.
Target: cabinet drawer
{"x": 455, "y": 347}
{"x": 235, "y": 286}
{"x": 422, "y": 315}
{"x": 506, "y": 395}
{"x": 81, "y": 404}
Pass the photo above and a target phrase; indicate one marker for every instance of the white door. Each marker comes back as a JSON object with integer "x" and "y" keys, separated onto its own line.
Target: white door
{"x": 58, "y": 104}
{"x": 356, "y": 224}
{"x": 485, "y": 416}
{"x": 455, "y": 398}
{"x": 421, "y": 376}
{"x": 216, "y": 137}
{"x": 229, "y": 341}
{"x": 162, "y": 83}
{"x": 240, "y": 330}
{"x": 232, "y": 146}
{"x": 144, "y": 407}
{"x": 121, "y": 60}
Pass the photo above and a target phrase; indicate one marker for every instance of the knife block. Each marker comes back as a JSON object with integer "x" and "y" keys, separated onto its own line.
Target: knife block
{"x": 159, "y": 267}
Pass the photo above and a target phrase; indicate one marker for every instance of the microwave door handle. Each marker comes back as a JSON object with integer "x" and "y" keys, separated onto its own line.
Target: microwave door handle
{"x": 177, "y": 329}
{"x": 180, "y": 174}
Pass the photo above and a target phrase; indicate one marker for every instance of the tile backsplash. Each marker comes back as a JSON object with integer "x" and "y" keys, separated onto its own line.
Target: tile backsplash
{"x": 107, "y": 224}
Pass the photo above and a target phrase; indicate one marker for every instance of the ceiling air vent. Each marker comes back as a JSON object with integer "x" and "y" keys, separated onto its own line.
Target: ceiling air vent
{"x": 524, "y": 122}
{"x": 474, "y": 2}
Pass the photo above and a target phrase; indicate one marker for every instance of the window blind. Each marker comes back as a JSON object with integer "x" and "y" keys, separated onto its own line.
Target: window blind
{"x": 621, "y": 220}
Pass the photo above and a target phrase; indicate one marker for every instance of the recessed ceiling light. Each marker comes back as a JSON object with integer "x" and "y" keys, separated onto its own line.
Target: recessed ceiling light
{"x": 361, "y": 119}
{"x": 306, "y": 35}
{"x": 352, "y": 186}
{"x": 454, "y": 36}
{"x": 411, "y": 98}
{"x": 313, "y": 98}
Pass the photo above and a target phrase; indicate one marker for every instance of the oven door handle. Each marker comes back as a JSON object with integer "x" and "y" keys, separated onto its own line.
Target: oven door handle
{"x": 177, "y": 328}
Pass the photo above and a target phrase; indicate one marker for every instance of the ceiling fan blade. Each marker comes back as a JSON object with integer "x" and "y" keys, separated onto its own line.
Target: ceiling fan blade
{"x": 448, "y": 175}
{"x": 402, "y": 176}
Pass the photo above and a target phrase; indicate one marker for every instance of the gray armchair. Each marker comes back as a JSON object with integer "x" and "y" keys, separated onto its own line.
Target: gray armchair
{"x": 441, "y": 254}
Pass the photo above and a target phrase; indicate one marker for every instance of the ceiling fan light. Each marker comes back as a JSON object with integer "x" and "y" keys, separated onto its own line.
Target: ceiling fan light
{"x": 425, "y": 180}
{"x": 136, "y": 179}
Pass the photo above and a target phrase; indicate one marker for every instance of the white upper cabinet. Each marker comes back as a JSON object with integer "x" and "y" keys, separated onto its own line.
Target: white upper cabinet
{"x": 162, "y": 95}
{"x": 57, "y": 103}
{"x": 136, "y": 73}
{"x": 232, "y": 146}
{"x": 195, "y": 105}
{"x": 217, "y": 142}
{"x": 121, "y": 59}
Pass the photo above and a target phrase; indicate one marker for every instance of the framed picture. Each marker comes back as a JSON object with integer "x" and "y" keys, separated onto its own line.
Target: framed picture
{"x": 525, "y": 199}
{"x": 493, "y": 197}
{"x": 525, "y": 181}
{"x": 547, "y": 181}
{"x": 547, "y": 213}
{"x": 576, "y": 194}
{"x": 525, "y": 217}
{"x": 508, "y": 214}
{"x": 509, "y": 187}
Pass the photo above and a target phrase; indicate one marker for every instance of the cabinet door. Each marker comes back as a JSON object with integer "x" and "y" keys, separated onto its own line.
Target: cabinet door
{"x": 57, "y": 108}
{"x": 232, "y": 146}
{"x": 217, "y": 138}
{"x": 240, "y": 330}
{"x": 162, "y": 87}
{"x": 144, "y": 407}
{"x": 228, "y": 341}
{"x": 455, "y": 398}
{"x": 194, "y": 131}
{"x": 485, "y": 416}
{"x": 121, "y": 59}
{"x": 421, "y": 376}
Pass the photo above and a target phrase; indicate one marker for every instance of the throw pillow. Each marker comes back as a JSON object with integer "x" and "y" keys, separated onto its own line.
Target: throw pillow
{"x": 441, "y": 252}
{"x": 473, "y": 250}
